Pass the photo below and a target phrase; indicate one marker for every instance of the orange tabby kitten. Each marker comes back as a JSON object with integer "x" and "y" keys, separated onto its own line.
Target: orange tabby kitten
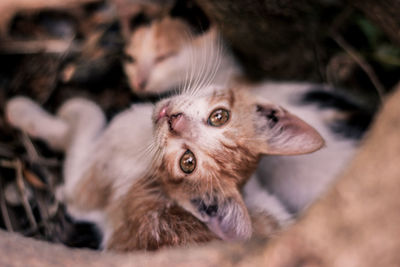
{"x": 169, "y": 174}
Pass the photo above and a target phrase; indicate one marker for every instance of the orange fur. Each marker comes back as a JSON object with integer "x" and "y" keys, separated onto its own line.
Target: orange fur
{"x": 151, "y": 221}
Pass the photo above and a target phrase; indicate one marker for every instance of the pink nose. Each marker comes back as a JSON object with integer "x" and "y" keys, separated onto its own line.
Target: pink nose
{"x": 140, "y": 84}
{"x": 177, "y": 123}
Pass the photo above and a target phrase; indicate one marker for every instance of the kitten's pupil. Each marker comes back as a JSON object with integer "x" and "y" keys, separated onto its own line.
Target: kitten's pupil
{"x": 218, "y": 117}
{"x": 188, "y": 162}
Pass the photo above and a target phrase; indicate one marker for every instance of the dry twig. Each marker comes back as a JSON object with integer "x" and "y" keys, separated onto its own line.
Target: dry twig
{"x": 22, "y": 191}
{"x": 33, "y": 155}
{"x": 4, "y": 210}
{"x": 380, "y": 89}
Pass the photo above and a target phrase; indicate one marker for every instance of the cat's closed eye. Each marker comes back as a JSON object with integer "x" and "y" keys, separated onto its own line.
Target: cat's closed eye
{"x": 163, "y": 57}
{"x": 128, "y": 58}
{"x": 218, "y": 117}
{"x": 188, "y": 162}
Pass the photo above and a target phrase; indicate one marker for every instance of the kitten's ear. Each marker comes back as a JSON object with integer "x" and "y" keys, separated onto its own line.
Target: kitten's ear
{"x": 231, "y": 221}
{"x": 225, "y": 214}
{"x": 283, "y": 133}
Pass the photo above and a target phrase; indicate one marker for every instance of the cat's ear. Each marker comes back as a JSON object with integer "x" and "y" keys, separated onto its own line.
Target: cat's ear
{"x": 226, "y": 216}
{"x": 232, "y": 222}
{"x": 282, "y": 133}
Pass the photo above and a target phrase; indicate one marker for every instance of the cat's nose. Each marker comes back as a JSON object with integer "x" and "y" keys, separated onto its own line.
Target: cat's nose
{"x": 177, "y": 122}
{"x": 140, "y": 84}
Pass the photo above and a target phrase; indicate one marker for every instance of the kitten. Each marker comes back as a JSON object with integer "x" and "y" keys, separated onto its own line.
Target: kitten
{"x": 171, "y": 173}
{"x": 165, "y": 55}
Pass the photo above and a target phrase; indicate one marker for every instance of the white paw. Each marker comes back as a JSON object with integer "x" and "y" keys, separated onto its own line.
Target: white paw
{"x": 22, "y": 113}
{"x": 26, "y": 115}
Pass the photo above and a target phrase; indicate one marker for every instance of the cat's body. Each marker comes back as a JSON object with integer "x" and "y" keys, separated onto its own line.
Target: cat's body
{"x": 169, "y": 174}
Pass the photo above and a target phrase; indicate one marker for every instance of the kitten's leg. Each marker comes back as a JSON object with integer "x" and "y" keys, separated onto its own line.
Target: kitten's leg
{"x": 258, "y": 200}
{"x": 28, "y": 116}
{"x": 86, "y": 122}
{"x": 73, "y": 130}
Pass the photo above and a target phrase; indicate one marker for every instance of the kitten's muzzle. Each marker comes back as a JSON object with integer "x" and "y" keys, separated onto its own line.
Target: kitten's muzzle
{"x": 176, "y": 122}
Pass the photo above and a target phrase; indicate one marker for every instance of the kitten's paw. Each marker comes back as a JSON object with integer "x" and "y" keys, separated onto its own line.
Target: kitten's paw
{"x": 22, "y": 113}
{"x": 26, "y": 115}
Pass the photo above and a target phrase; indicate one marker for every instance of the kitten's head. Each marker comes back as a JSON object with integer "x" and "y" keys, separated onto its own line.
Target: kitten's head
{"x": 209, "y": 145}
{"x": 153, "y": 60}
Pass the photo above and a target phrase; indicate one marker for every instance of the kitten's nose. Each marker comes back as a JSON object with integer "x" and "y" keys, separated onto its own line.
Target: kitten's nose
{"x": 177, "y": 122}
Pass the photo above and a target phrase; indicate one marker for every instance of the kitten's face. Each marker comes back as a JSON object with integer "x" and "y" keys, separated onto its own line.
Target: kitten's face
{"x": 211, "y": 143}
{"x": 153, "y": 62}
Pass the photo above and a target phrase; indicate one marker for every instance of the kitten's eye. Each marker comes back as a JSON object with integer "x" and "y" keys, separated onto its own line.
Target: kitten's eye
{"x": 188, "y": 162}
{"x": 218, "y": 117}
{"x": 128, "y": 58}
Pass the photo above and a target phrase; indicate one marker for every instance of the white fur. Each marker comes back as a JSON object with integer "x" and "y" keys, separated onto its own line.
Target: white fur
{"x": 202, "y": 60}
{"x": 23, "y": 113}
{"x": 121, "y": 163}
{"x": 299, "y": 180}
{"x": 85, "y": 121}
{"x": 130, "y": 160}
{"x": 259, "y": 199}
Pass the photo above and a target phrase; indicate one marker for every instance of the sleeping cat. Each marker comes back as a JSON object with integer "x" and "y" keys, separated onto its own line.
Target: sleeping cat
{"x": 171, "y": 173}
{"x": 164, "y": 55}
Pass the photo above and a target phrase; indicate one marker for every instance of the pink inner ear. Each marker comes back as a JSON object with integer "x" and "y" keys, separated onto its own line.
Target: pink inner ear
{"x": 232, "y": 223}
{"x": 286, "y": 134}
